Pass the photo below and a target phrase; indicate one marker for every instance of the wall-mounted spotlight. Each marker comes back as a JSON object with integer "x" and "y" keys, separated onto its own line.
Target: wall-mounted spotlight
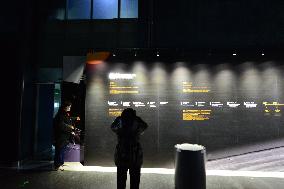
{"x": 234, "y": 54}
{"x": 262, "y": 54}
{"x": 158, "y": 53}
{"x": 113, "y": 54}
{"x": 135, "y": 54}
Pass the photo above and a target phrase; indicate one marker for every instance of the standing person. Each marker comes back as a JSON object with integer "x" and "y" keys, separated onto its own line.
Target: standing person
{"x": 63, "y": 129}
{"x": 128, "y": 152}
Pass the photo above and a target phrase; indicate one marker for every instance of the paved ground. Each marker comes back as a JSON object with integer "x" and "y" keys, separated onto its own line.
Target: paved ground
{"x": 267, "y": 160}
{"x": 98, "y": 180}
{"x": 261, "y": 170}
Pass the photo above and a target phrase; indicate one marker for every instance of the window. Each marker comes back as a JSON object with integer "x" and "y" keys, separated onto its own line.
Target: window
{"x": 78, "y": 9}
{"x": 57, "y": 98}
{"x": 105, "y": 9}
{"x": 59, "y": 12}
{"x": 129, "y": 9}
{"x": 100, "y": 9}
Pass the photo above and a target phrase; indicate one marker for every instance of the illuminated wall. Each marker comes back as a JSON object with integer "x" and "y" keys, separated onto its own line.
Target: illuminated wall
{"x": 229, "y": 108}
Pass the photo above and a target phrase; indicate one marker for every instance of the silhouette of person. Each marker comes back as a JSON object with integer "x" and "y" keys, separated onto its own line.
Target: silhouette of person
{"x": 62, "y": 130}
{"x": 128, "y": 152}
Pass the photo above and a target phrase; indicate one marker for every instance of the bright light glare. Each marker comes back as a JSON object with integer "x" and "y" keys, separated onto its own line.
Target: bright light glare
{"x": 76, "y": 166}
{"x": 56, "y": 104}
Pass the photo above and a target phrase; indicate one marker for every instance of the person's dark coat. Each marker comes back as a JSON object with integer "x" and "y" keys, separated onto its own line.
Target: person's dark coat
{"x": 62, "y": 128}
{"x": 128, "y": 151}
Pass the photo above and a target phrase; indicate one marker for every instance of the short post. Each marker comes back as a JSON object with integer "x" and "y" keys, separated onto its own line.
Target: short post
{"x": 190, "y": 166}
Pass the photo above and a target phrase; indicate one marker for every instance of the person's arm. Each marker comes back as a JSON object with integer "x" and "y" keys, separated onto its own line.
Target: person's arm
{"x": 142, "y": 125}
{"x": 115, "y": 126}
{"x": 64, "y": 126}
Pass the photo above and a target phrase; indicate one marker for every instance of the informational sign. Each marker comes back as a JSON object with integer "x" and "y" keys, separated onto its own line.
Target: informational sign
{"x": 218, "y": 106}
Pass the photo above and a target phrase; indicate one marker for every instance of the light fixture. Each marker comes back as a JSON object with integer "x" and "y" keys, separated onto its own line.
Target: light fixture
{"x": 262, "y": 54}
{"x": 135, "y": 53}
{"x": 113, "y": 54}
{"x": 234, "y": 54}
{"x": 158, "y": 53}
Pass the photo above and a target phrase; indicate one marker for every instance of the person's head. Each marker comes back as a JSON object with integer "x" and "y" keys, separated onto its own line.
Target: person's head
{"x": 128, "y": 113}
{"x": 66, "y": 106}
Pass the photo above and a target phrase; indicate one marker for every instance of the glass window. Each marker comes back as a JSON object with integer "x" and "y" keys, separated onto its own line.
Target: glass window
{"x": 79, "y": 9}
{"x": 58, "y": 14}
{"x": 105, "y": 9}
{"x": 57, "y": 98}
{"x": 129, "y": 9}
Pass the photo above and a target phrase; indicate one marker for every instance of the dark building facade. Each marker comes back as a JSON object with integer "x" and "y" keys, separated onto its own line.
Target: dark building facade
{"x": 34, "y": 43}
